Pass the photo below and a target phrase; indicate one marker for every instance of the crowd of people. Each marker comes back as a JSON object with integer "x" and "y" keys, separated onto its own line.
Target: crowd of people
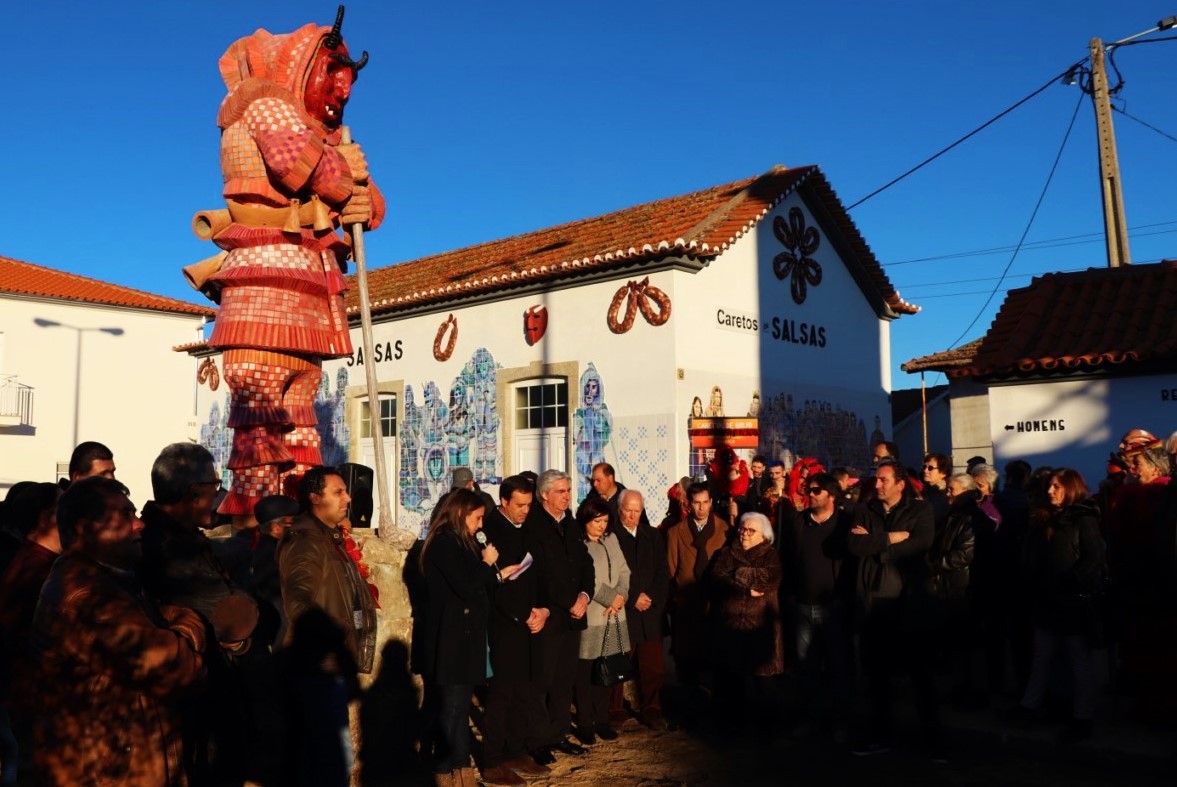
{"x": 136, "y": 649}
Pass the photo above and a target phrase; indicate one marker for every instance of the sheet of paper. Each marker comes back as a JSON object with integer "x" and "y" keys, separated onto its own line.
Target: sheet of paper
{"x": 524, "y": 564}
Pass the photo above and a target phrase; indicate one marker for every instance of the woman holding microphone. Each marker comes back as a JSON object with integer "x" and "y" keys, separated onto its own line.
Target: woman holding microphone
{"x": 459, "y": 575}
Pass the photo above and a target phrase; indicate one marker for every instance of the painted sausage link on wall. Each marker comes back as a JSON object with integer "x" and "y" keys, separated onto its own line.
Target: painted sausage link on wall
{"x": 638, "y": 296}
{"x": 443, "y": 353}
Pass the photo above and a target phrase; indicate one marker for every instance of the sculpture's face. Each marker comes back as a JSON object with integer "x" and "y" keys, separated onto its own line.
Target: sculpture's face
{"x": 328, "y": 87}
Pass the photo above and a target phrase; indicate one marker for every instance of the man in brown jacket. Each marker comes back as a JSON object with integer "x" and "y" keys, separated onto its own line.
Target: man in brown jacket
{"x": 111, "y": 662}
{"x": 690, "y": 545}
{"x": 332, "y": 634}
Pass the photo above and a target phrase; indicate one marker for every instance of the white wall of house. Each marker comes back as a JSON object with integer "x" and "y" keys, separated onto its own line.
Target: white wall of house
{"x": 136, "y": 394}
{"x": 1078, "y": 422}
{"x": 813, "y": 366}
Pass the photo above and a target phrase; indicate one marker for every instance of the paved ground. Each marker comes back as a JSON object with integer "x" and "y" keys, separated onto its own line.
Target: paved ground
{"x": 983, "y": 750}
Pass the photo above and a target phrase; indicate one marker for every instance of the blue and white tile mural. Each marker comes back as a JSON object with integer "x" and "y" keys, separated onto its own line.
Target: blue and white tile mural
{"x": 593, "y": 425}
{"x": 217, "y": 437}
{"x": 442, "y": 433}
{"x": 330, "y": 410}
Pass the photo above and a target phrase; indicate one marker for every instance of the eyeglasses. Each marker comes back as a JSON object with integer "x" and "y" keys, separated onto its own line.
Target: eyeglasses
{"x": 931, "y": 467}
{"x": 749, "y": 531}
{"x": 815, "y": 490}
{"x": 217, "y": 485}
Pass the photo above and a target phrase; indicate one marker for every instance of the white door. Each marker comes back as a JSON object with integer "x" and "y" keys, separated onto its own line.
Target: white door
{"x": 540, "y": 412}
{"x": 368, "y": 451}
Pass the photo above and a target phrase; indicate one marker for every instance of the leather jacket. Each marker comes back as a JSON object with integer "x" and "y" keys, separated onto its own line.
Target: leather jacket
{"x": 317, "y": 573}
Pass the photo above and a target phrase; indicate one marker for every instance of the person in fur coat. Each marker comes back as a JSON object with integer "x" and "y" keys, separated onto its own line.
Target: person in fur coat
{"x": 747, "y": 645}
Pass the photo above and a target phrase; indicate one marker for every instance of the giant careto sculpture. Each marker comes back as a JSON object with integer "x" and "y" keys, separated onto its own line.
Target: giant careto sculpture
{"x": 291, "y": 182}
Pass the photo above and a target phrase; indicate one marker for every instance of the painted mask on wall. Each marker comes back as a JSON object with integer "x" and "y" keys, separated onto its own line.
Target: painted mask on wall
{"x": 535, "y": 324}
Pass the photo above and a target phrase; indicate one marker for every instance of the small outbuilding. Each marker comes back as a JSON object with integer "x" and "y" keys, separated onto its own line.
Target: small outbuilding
{"x": 1071, "y": 362}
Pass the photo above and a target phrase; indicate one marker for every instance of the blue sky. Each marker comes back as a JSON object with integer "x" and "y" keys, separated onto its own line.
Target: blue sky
{"x": 485, "y": 120}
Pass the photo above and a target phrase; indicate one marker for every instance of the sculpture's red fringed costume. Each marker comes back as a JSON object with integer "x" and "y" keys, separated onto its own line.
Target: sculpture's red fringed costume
{"x": 288, "y": 184}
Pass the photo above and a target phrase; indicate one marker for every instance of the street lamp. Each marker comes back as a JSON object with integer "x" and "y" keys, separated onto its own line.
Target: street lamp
{"x": 41, "y": 322}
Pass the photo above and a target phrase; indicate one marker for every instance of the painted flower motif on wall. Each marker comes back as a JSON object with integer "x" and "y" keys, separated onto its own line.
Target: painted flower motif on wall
{"x": 796, "y": 263}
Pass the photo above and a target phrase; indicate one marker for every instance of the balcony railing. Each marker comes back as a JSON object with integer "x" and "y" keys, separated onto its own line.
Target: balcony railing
{"x": 16, "y": 402}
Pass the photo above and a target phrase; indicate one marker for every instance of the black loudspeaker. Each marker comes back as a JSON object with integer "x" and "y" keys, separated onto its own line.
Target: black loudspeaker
{"x": 359, "y": 480}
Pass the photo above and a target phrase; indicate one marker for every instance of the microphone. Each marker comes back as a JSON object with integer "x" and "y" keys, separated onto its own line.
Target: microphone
{"x": 480, "y": 537}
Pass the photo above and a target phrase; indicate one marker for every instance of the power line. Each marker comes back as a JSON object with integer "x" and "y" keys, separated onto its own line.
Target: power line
{"x": 1041, "y": 197}
{"x": 906, "y": 287}
{"x": 1050, "y": 243}
{"x": 957, "y": 295}
{"x": 1164, "y": 134}
{"x": 972, "y": 133}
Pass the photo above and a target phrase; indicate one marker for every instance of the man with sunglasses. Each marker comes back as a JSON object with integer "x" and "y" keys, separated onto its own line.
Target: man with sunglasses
{"x": 818, "y": 589}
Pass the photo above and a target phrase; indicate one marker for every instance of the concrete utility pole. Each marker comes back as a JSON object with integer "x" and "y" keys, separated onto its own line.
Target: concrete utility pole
{"x": 1115, "y": 223}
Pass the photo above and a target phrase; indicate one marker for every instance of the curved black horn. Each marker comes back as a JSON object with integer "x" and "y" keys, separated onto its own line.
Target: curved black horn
{"x": 354, "y": 65}
{"x": 334, "y": 38}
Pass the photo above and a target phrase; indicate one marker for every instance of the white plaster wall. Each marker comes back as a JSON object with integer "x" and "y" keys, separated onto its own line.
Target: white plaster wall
{"x": 844, "y": 368}
{"x": 631, "y": 365}
{"x": 1077, "y": 423}
{"x": 971, "y": 434}
{"x": 137, "y": 395}
{"x": 741, "y": 281}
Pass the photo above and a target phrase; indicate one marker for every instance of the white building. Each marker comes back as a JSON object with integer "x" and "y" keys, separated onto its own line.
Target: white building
{"x": 1071, "y": 362}
{"x": 756, "y": 301}
{"x": 82, "y": 359}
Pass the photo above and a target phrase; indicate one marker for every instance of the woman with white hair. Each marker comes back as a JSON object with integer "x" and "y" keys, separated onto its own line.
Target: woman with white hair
{"x": 985, "y": 477}
{"x": 746, "y": 622}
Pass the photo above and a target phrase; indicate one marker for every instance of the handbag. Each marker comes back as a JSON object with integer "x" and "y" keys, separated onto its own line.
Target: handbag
{"x": 615, "y": 668}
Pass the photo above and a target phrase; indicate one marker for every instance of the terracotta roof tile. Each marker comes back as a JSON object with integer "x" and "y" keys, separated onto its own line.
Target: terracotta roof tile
{"x": 1075, "y": 322}
{"x": 943, "y": 361}
{"x": 698, "y": 225}
{"x": 25, "y": 278}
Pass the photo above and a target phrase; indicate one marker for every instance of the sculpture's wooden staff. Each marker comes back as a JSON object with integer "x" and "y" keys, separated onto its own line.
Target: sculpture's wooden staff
{"x": 374, "y": 412}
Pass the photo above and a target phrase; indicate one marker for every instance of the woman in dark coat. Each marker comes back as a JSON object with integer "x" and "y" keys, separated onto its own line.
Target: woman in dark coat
{"x": 459, "y": 577}
{"x": 1064, "y": 560}
{"x": 745, "y": 618}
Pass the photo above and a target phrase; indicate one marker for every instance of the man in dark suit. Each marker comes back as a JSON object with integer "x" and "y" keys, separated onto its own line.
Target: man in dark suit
{"x": 516, "y": 720}
{"x": 566, "y": 583}
{"x": 649, "y": 587}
